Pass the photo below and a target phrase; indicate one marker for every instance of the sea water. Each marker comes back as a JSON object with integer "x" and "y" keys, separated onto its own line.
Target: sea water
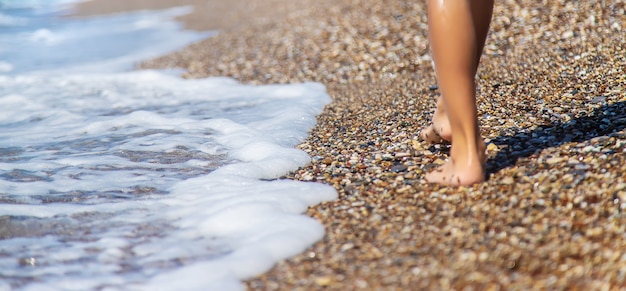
{"x": 117, "y": 179}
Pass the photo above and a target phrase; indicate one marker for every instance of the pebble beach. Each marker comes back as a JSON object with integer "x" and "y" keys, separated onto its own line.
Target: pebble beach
{"x": 552, "y": 107}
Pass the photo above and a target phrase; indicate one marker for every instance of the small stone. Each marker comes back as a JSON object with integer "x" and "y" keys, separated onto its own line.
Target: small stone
{"x": 402, "y": 155}
{"x": 398, "y": 168}
{"x": 582, "y": 167}
{"x": 567, "y": 34}
{"x": 594, "y": 232}
{"x": 347, "y": 246}
{"x": 323, "y": 281}
{"x": 361, "y": 283}
{"x": 492, "y": 147}
{"x": 416, "y": 145}
{"x": 507, "y": 181}
{"x": 598, "y": 99}
{"x": 416, "y": 270}
{"x": 588, "y": 149}
{"x": 555, "y": 160}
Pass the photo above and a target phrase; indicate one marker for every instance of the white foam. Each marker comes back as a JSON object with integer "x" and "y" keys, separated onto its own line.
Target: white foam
{"x": 5, "y": 67}
{"x": 251, "y": 223}
{"x": 142, "y": 180}
{"x": 8, "y": 20}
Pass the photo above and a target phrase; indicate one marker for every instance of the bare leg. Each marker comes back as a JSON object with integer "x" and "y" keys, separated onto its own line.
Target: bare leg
{"x": 457, "y": 30}
{"x": 439, "y": 130}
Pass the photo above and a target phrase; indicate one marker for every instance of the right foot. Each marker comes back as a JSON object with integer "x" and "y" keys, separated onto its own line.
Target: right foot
{"x": 464, "y": 172}
{"x": 452, "y": 174}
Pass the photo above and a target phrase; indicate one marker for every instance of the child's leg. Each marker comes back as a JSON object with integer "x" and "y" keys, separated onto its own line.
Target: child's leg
{"x": 439, "y": 130}
{"x": 456, "y": 47}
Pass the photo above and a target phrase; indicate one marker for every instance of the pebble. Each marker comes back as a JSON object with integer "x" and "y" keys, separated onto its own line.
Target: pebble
{"x": 398, "y": 168}
{"x": 323, "y": 281}
{"x": 507, "y": 181}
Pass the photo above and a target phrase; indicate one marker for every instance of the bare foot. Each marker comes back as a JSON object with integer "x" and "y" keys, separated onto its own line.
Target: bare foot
{"x": 465, "y": 171}
{"x": 438, "y": 132}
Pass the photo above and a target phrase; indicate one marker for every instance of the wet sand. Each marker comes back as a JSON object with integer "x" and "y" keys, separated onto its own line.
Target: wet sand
{"x": 552, "y": 106}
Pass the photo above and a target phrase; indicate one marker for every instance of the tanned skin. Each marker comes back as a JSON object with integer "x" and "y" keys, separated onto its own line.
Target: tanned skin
{"x": 457, "y": 29}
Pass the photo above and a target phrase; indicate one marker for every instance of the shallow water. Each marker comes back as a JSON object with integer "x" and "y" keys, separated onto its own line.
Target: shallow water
{"x": 139, "y": 179}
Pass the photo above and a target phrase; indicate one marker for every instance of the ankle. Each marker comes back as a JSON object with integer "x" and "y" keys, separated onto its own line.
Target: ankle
{"x": 468, "y": 153}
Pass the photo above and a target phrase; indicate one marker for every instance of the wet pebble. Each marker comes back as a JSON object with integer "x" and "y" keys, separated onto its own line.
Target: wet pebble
{"x": 398, "y": 168}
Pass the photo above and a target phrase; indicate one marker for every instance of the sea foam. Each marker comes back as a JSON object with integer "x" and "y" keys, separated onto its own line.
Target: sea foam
{"x": 119, "y": 179}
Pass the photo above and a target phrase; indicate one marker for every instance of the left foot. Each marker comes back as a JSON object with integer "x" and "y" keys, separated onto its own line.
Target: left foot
{"x": 432, "y": 135}
{"x": 438, "y": 132}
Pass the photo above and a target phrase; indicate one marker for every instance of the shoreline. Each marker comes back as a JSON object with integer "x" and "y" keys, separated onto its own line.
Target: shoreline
{"x": 552, "y": 106}
{"x": 206, "y": 15}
